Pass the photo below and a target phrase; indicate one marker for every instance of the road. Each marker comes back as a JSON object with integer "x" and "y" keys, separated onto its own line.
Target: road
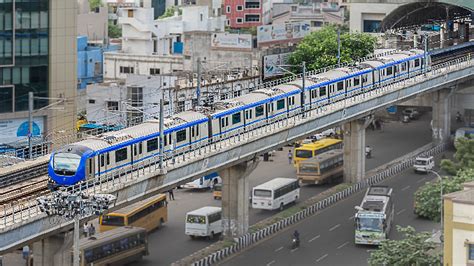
{"x": 170, "y": 244}
{"x": 328, "y": 237}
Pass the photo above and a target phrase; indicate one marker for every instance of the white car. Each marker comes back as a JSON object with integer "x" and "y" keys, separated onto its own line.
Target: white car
{"x": 423, "y": 164}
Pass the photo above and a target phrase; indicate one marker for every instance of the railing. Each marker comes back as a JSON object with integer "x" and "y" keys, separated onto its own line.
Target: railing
{"x": 19, "y": 211}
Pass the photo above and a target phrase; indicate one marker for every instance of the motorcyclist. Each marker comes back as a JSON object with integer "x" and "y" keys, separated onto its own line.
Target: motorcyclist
{"x": 368, "y": 151}
{"x": 296, "y": 236}
{"x": 458, "y": 117}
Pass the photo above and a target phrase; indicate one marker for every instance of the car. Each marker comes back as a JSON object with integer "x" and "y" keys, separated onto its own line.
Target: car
{"x": 423, "y": 164}
{"x": 411, "y": 112}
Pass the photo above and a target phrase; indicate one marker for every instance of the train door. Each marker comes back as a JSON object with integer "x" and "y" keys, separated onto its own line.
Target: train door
{"x": 90, "y": 167}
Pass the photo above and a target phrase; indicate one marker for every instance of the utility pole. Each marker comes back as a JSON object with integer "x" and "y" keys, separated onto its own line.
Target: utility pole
{"x": 30, "y": 123}
{"x": 162, "y": 119}
{"x": 198, "y": 89}
{"x": 304, "y": 86}
{"x": 338, "y": 47}
{"x": 425, "y": 61}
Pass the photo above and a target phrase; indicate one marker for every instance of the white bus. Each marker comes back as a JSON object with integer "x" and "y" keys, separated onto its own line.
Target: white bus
{"x": 204, "y": 222}
{"x": 204, "y": 182}
{"x": 275, "y": 193}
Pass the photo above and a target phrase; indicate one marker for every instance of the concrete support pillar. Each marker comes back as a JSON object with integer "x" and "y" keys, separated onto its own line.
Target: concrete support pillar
{"x": 53, "y": 251}
{"x": 442, "y": 36}
{"x": 441, "y": 124}
{"x": 235, "y": 198}
{"x": 354, "y": 150}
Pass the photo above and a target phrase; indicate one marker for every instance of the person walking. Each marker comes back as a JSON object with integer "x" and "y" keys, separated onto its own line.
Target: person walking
{"x": 92, "y": 230}
{"x": 171, "y": 194}
{"x": 85, "y": 229}
{"x": 290, "y": 157}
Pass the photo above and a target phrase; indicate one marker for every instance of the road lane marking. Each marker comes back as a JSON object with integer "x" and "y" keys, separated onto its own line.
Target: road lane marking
{"x": 314, "y": 238}
{"x": 270, "y": 263}
{"x": 322, "y": 257}
{"x": 421, "y": 180}
{"x": 350, "y": 218}
{"x": 278, "y": 249}
{"x": 400, "y": 211}
{"x": 405, "y": 188}
{"x": 293, "y": 250}
{"x": 334, "y": 227}
{"x": 341, "y": 246}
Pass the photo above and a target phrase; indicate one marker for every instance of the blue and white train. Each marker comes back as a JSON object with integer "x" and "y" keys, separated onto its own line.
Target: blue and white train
{"x": 125, "y": 148}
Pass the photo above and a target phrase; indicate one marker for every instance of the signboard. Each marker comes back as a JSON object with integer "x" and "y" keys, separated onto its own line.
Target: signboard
{"x": 232, "y": 41}
{"x": 271, "y": 63}
{"x": 372, "y": 215}
{"x": 282, "y": 32}
{"x": 16, "y": 129}
{"x": 392, "y": 109}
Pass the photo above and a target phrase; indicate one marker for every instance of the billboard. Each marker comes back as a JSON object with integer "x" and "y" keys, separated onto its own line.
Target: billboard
{"x": 271, "y": 63}
{"x": 282, "y": 32}
{"x": 232, "y": 41}
{"x": 16, "y": 129}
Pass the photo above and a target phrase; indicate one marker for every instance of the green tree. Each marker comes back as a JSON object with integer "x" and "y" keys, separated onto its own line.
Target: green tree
{"x": 464, "y": 157}
{"x": 115, "y": 31}
{"x": 169, "y": 12}
{"x": 428, "y": 198}
{"x": 413, "y": 249}
{"x": 319, "y": 48}
{"x": 93, "y": 4}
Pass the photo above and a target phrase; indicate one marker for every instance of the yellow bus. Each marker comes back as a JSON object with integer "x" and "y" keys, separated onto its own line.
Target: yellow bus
{"x": 312, "y": 149}
{"x": 119, "y": 246}
{"x": 322, "y": 168}
{"x": 149, "y": 214}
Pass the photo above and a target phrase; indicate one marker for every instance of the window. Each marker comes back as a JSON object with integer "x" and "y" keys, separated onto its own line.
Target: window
{"x": 214, "y": 217}
{"x": 126, "y": 70}
{"x": 280, "y": 104}
{"x": 112, "y": 220}
{"x": 250, "y": 5}
{"x": 372, "y": 25}
{"x": 108, "y": 159}
{"x": 470, "y": 251}
{"x": 227, "y": 8}
{"x": 227, "y": 22}
{"x": 248, "y": 114}
{"x": 102, "y": 161}
{"x": 417, "y": 62}
{"x": 314, "y": 94}
{"x": 236, "y": 118}
{"x": 389, "y": 71}
{"x": 403, "y": 66}
{"x": 294, "y": 8}
{"x": 154, "y": 71}
{"x": 112, "y": 106}
{"x": 239, "y": 20}
{"x": 340, "y": 86}
{"x": 181, "y": 135}
{"x": 252, "y": 18}
{"x": 316, "y": 24}
{"x": 120, "y": 155}
{"x": 240, "y": 8}
{"x": 322, "y": 91}
{"x": 259, "y": 111}
{"x": 364, "y": 79}
{"x": 91, "y": 101}
{"x": 356, "y": 81}
{"x": 152, "y": 145}
{"x": 286, "y": 189}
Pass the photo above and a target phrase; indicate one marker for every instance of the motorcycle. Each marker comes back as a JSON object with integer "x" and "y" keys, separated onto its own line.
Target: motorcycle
{"x": 368, "y": 153}
{"x": 295, "y": 243}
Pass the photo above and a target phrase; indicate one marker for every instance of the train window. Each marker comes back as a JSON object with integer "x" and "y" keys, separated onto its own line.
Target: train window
{"x": 396, "y": 68}
{"x": 192, "y": 131}
{"x": 259, "y": 110}
{"x": 280, "y": 104}
{"x": 166, "y": 140}
{"x": 108, "y": 159}
{"x": 340, "y": 86}
{"x": 197, "y": 130}
{"x": 134, "y": 149}
{"x": 417, "y": 62}
{"x": 181, "y": 135}
{"x": 90, "y": 166}
{"x": 140, "y": 148}
{"x": 389, "y": 71}
{"x": 120, "y": 155}
{"x": 356, "y": 81}
{"x": 314, "y": 94}
{"x": 236, "y": 118}
{"x": 322, "y": 91}
{"x": 102, "y": 160}
{"x": 403, "y": 66}
{"x": 364, "y": 79}
{"x": 152, "y": 145}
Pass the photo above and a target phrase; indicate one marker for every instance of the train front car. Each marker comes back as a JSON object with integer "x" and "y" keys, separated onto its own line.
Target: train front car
{"x": 67, "y": 166}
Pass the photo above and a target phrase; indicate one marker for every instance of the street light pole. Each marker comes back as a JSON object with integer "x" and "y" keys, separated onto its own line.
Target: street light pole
{"x": 198, "y": 89}
{"x": 161, "y": 133}
{"x": 30, "y": 123}
{"x": 76, "y": 258}
{"x": 304, "y": 86}
{"x": 441, "y": 207}
{"x": 338, "y": 47}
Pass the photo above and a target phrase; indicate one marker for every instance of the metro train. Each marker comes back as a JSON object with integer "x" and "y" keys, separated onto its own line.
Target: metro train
{"x": 123, "y": 149}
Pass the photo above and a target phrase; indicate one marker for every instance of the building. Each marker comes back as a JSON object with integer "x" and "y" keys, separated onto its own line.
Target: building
{"x": 459, "y": 227}
{"x": 318, "y": 14}
{"x": 247, "y": 13}
{"x": 367, "y": 16}
{"x": 93, "y": 24}
{"x": 38, "y": 54}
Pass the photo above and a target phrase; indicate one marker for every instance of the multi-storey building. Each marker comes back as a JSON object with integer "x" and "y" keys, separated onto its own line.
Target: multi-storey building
{"x": 246, "y": 13}
{"x": 37, "y": 54}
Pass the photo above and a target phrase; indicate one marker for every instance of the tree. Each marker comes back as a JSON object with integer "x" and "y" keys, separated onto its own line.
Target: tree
{"x": 115, "y": 31}
{"x": 93, "y": 4}
{"x": 169, "y": 12}
{"x": 428, "y": 198}
{"x": 413, "y": 249}
{"x": 319, "y": 48}
{"x": 464, "y": 156}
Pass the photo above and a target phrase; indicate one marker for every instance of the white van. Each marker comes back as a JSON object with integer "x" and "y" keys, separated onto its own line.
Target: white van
{"x": 275, "y": 194}
{"x": 204, "y": 222}
{"x": 423, "y": 164}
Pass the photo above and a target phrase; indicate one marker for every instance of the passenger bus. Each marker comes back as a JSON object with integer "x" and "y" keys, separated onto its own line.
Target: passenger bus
{"x": 204, "y": 182}
{"x": 309, "y": 150}
{"x": 119, "y": 246}
{"x": 322, "y": 168}
{"x": 150, "y": 213}
{"x": 275, "y": 194}
{"x": 204, "y": 222}
{"x": 374, "y": 216}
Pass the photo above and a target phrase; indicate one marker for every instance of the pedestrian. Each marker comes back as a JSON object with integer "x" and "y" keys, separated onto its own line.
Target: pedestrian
{"x": 290, "y": 157}
{"x": 85, "y": 230}
{"x": 26, "y": 252}
{"x": 171, "y": 194}
{"x": 92, "y": 232}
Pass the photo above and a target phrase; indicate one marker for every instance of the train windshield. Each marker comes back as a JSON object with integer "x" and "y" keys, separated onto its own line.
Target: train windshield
{"x": 66, "y": 162}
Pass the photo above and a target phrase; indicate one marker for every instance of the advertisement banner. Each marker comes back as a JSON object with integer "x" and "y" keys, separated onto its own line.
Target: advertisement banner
{"x": 271, "y": 63}
{"x": 17, "y": 129}
{"x": 282, "y": 32}
{"x": 232, "y": 41}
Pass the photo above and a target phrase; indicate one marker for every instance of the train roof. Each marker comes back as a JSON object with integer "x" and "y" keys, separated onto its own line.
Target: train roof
{"x": 289, "y": 87}
{"x": 229, "y": 105}
{"x": 190, "y": 116}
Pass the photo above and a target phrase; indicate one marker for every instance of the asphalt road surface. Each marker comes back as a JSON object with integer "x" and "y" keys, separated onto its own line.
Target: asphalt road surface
{"x": 170, "y": 244}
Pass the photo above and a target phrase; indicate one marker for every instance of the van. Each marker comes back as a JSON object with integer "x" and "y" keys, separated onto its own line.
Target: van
{"x": 423, "y": 164}
{"x": 204, "y": 222}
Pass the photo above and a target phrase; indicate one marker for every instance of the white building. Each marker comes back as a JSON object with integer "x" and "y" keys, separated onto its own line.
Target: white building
{"x": 366, "y": 16}
{"x": 318, "y": 14}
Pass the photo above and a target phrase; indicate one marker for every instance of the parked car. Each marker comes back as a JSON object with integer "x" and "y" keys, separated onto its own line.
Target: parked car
{"x": 412, "y": 113}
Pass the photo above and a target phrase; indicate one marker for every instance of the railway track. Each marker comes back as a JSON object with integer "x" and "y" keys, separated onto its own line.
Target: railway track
{"x": 12, "y": 178}
{"x": 36, "y": 187}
